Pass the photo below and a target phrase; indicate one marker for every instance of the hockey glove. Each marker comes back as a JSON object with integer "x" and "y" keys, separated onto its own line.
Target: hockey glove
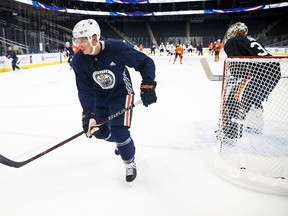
{"x": 89, "y": 124}
{"x": 148, "y": 94}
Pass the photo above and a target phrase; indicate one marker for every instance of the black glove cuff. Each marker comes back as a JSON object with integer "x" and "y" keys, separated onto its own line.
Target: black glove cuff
{"x": 148, "y": 85}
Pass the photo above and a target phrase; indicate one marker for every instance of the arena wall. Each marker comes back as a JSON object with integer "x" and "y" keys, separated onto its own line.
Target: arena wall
{"x": 44, "y": 59}
{"x": 32, "y": 60}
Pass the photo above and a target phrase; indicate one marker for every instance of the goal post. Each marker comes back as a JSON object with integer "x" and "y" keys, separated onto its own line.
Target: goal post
{"x": 252, "y": 135}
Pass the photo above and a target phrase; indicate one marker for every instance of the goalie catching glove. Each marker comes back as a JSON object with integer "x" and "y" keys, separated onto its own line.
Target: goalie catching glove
{"x": 89, "y": 124}
{"x": 148, "y": 94}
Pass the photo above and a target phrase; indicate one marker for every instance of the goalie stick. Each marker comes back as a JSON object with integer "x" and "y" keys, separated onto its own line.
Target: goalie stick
{"x": 11, "y": 163}
{"x": 212, "y": 77}
{"x": 208, "y": 71}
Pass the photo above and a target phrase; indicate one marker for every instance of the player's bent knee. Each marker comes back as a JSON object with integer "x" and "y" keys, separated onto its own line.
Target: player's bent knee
{"x": 120, "y": 133}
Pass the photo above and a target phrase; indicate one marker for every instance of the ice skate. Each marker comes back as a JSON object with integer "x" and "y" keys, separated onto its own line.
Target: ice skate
{"x": 131, "y": 171}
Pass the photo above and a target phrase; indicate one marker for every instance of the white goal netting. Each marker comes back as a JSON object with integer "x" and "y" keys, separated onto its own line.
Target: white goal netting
{"x": 252, "y": 135}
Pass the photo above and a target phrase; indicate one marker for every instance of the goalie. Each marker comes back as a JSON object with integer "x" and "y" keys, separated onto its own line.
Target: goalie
{"x": 252, "y": 83}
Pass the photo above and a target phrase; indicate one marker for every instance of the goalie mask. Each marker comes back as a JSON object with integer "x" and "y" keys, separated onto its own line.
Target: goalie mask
{"x": 237, "y": 29}
{"x": 86, "y": 28}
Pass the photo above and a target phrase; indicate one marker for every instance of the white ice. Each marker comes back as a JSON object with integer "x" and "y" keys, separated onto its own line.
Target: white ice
{"x": 174, "y": 139}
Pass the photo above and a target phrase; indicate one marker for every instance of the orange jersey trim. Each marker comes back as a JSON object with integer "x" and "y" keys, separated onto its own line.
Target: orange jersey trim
{"x": 127, "y": 115}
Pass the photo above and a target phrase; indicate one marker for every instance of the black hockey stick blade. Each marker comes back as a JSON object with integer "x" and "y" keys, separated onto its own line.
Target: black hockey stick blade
{"x": 8, "y": 162}
{"x": 11, "y": 163}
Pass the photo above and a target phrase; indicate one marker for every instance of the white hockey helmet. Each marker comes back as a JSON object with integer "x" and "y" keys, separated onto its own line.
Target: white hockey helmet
{"x": 86, "y": 28}
{"x": 236, "y": 29}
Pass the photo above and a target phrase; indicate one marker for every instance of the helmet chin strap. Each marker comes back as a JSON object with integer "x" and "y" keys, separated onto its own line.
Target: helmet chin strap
{"x": 94, "y": 48}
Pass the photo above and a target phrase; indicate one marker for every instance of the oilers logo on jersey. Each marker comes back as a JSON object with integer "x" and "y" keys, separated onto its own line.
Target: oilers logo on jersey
{"x": 104, "y": 78}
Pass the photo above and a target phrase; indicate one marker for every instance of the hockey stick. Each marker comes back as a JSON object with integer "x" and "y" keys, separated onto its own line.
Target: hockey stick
{"x": 11, "y": 163}
{"x": 208, "y": 71}
{"x": 60, "y": 70}
{"x": 210, "y": 75}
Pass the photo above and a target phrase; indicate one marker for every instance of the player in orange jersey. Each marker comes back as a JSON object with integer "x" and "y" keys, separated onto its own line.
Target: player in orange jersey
{"x": 178, "y": 53}
{"x": 75, "y": 49}
{"x": 218, "y": 47}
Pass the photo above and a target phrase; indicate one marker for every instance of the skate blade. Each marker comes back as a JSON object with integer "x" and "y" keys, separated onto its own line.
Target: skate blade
{"x": 130, "y": 184}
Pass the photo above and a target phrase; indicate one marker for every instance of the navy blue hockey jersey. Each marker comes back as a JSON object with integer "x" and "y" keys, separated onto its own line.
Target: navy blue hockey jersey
{"x": 104, "y": 77}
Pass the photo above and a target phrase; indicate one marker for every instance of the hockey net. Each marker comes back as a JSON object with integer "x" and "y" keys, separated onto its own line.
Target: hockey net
{"x": 252, "y": 135}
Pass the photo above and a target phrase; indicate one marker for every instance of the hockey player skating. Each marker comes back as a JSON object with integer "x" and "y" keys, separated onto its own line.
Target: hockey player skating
{"x": 179, "y": 51}
{"x": 199, "y": 49}
{"x": 172, "y": 49}
{"x": 104, "y": 87}
{"x": 210, "y": 48}
{"x": 250, "y": 87}
{"x": 190, "y": 49}
{"x": 152, "y": 49}
{"x": 217, "y": 48}
{"x": 11, "y": 54}
{"x": 161, "y": 49}
{"x": 168, "y": 49}
{"x": 69, "y": 52}
{"x": 213, "y": 48}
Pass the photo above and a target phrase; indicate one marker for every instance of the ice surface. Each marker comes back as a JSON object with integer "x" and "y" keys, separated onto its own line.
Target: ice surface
{"x": 174, "y": 138}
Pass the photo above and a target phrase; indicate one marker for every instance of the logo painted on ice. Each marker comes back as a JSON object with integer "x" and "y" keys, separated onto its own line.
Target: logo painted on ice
{"x": 104, "y": 78}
